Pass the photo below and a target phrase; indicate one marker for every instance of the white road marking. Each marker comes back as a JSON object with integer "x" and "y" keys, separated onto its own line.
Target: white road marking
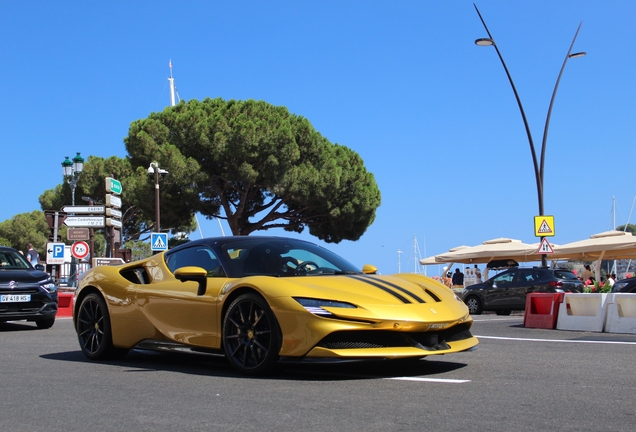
{"x": 556, "y": 340}
{"x": 437, "y": 380}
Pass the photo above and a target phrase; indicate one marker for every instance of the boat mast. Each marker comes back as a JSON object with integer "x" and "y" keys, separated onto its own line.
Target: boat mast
{"x": 171, "y": 80}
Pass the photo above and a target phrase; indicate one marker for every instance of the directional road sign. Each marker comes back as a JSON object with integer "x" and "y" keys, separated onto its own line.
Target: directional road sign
{"x": 113, "y": 222}
{"x": 84, "y": 221}
{"x": 158, "y": 241}
{"x": 55, "y": 253}
{"x": 84, "y": 209}
{"x": 113, "y": 212}
{"x": 113, "y": 201}
{"x": 80, "y": 250}
{"x": 107, "y": 261}
{"x": 78, "y": 234}
{"x": 113, "y": 186}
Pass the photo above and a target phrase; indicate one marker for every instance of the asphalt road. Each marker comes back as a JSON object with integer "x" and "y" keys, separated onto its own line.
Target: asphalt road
{"x": 518, "y": 379}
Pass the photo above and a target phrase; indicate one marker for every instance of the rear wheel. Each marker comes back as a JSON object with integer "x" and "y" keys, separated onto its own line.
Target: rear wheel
{"x": 44, "y": 323}
{"x": 250, "y": 335}
{"x": 474, "y": 305}
{"x": 94, "y": 331}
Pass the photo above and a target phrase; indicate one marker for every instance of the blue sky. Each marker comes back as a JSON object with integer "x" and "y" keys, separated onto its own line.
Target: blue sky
{"x": 400, "y": 82}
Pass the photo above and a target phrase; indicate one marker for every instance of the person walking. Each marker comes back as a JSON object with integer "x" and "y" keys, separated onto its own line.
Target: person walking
{"x": 32, "y": 255}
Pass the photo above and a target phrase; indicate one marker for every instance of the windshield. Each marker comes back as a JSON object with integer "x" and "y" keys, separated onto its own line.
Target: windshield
{"x": 565, "y": 274}
{"x": 13, "y": 260}
{"x": 283, "y": 257}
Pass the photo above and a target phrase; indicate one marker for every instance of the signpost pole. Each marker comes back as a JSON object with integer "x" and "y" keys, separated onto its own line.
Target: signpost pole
{"x": 55, "y": 227}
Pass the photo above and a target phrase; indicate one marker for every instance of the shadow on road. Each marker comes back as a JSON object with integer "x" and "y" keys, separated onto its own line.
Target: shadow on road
{"x": 14, "y": 326}
{"x": 210, "y": 365}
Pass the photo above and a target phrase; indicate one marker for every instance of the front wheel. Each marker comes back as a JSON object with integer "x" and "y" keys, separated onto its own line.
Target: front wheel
{"x": 474, "y": 305}
{"x": 94, "y": 331}
{"x": 250, "y": 335}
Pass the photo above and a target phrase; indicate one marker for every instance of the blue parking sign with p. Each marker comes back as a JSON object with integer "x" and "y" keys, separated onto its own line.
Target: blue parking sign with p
{"x": 58, "y": 250}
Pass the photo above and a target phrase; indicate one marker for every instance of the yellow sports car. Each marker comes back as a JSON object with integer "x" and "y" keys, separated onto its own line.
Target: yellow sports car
{"x": 260, "y": 300}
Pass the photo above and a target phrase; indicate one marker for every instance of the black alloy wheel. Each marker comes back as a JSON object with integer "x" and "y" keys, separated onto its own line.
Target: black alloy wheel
{"x": 250, "y": 335}
{"x": 474, "y": 305}
{"x": 93, "y": 329}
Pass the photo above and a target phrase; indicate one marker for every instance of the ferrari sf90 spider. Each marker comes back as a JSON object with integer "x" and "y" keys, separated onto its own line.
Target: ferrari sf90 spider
{"x": 261, "y": 300}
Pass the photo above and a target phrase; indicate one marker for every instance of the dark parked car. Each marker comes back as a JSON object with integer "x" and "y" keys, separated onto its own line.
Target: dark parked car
{"x": 26, "y": 293}
{"x": 625, "y": 286}
{"x": 507, "y": 291}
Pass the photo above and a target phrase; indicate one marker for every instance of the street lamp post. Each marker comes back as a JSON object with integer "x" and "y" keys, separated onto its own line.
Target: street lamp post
{"x": 72, "y": 171}
{"x": 154, "y": 169}
{"x": 538, "y": 168}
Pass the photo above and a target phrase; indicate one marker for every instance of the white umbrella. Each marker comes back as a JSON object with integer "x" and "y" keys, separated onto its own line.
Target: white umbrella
{"x": 607, "y": 245}
{"x": 499, "y": 248}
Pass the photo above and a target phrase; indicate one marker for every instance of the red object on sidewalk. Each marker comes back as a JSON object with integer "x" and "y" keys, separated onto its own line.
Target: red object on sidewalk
{"x": 542, "y": 310}
{"x": 65, "y": 304}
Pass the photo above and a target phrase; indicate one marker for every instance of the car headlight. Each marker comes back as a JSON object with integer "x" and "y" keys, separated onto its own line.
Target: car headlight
{"x": 315, "y": 306}
{"x": 48, "y": 286}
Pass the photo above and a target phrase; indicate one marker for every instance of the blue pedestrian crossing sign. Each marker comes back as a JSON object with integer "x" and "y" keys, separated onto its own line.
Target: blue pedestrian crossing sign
{"x": 159, "y": 241}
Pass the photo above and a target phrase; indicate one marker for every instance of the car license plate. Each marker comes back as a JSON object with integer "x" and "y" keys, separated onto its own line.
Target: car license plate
{"x": 15, "y": 298}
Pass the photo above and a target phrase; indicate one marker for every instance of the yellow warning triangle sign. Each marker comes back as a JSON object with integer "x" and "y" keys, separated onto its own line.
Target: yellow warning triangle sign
{"x": 545, "y": 228}
{"x": 545, "y": 247}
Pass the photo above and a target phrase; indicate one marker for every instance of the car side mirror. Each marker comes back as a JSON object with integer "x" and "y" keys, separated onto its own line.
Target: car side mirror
{"x": 39, "y": 267}
{"x": 195, "y": 274}
{"x": 369, "y": 269}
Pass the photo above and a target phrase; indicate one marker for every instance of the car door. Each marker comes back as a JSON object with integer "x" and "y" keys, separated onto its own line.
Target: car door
{"x": 498, "y": 296}
{"x": 175, "y": 309}
{"x": 528, "y": 281}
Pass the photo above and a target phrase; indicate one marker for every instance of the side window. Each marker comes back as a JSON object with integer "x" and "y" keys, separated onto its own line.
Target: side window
{"x": 505, "y": 278}
{"x": 197, "y": 256}
{"x": 531, "y": 276}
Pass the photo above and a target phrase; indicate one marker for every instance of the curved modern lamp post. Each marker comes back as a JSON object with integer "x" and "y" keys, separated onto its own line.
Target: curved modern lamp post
{"x": 72, "y": 171}
{"x": 538, "y": 169}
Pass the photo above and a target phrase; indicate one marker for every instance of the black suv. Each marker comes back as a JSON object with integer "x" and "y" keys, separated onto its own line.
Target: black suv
{"x": 507, "y": 291}
{"x": 26, "y": 293}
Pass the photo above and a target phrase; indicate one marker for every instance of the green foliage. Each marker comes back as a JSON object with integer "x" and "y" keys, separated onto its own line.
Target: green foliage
{"x": 26, "y": 228}
{"x": 630, "y": 228}
{"x": 177, "y": 240}
{"x": 265, "y": 167}
{"x": 137, "y": 197}
{"x": 139, "y": 249}
{"x": 598, "y": 288}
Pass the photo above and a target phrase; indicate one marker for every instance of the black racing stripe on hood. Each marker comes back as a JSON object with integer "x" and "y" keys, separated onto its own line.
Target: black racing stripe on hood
{"x": 405, "y": 291}
{"x": 382, "y": 287}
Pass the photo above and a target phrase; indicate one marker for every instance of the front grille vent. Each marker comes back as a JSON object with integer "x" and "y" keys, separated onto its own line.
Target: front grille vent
{"x": 429, "y": 341}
